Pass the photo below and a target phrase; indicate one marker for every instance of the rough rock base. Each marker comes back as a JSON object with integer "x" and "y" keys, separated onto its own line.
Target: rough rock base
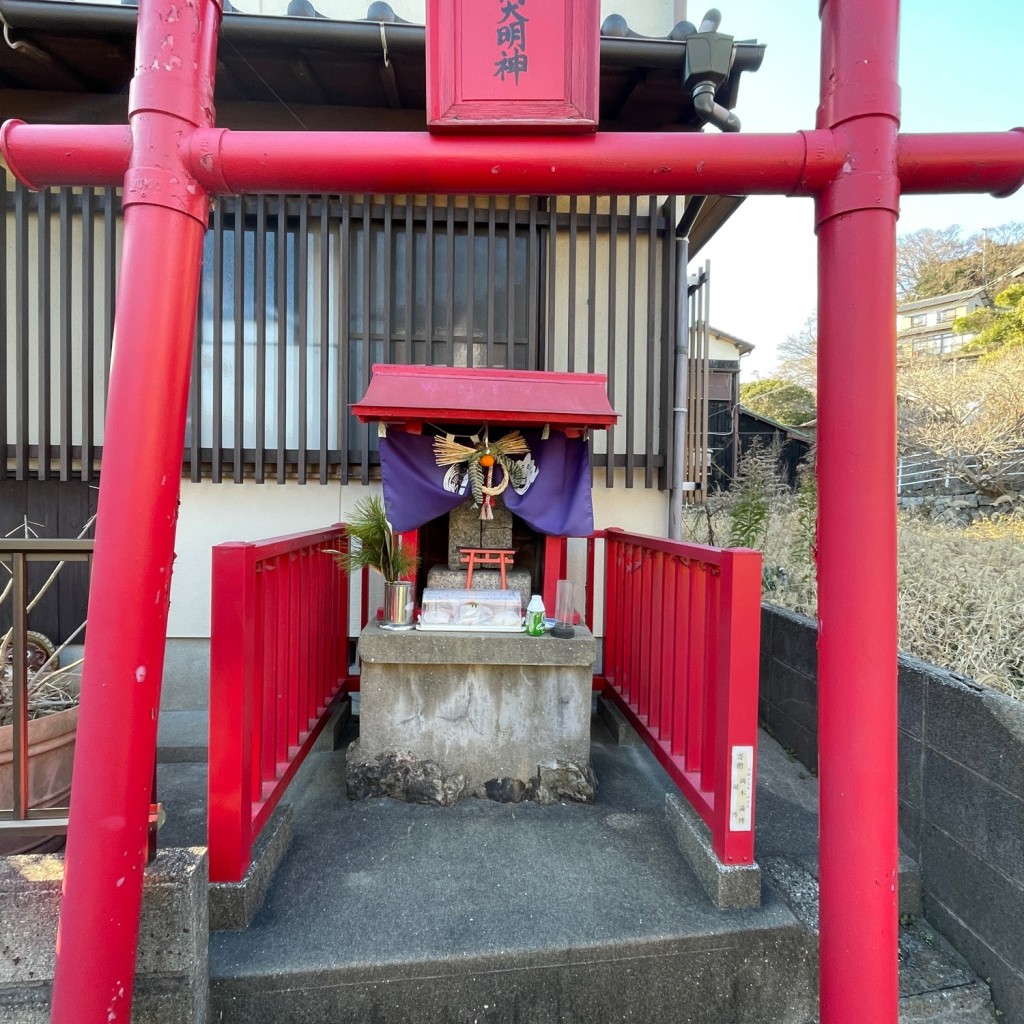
{"x": 404, "y": 776}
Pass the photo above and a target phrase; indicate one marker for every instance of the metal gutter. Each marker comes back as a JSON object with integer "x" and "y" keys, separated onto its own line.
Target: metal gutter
{"x": 74, "y": 19}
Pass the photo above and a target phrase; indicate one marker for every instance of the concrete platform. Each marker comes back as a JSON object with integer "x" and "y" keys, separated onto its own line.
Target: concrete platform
{"x": 390, "y": 912}
{"x": 385, "y": 911}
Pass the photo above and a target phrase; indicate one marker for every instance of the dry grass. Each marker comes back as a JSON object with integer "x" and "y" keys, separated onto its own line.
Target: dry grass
{"x": 961, "y": 598}
{"x": 961, "y": 589}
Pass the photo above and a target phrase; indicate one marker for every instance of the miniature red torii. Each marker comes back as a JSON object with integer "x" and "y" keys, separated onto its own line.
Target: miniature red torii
{"x": 171, "y": 160}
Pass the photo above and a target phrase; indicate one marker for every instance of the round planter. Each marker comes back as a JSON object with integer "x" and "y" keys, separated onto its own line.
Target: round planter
{"x": 51, "y": 751}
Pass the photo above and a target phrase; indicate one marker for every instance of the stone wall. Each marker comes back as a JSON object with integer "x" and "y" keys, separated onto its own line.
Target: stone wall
{"x": 961, "y": 793}
{"x": 963, "y": 508}
{"x": 171, "y": 975}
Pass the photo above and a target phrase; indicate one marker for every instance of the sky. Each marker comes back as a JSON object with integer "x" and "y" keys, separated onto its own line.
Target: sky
{"x": 763, "y": 272}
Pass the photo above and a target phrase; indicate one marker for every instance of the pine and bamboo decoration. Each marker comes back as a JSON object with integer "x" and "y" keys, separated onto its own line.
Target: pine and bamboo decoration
{"x": 377, "y": 546}
{"x": 480, "y": 461}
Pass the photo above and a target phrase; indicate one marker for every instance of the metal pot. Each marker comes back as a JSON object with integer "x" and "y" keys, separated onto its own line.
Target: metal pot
{"x": 398, "y": 604}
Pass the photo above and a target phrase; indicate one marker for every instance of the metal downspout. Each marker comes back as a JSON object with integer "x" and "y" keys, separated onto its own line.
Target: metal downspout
{"x": 675, "y": 503}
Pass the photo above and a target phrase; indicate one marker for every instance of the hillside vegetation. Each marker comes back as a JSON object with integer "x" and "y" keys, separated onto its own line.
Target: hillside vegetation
{"x": 960, "y": 587}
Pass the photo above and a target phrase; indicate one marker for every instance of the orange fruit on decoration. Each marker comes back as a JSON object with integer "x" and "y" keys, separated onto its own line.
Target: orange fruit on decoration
{"x": 487, "y": 461}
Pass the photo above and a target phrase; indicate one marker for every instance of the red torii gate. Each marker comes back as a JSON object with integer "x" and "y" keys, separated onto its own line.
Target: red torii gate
{"x": 171, "y": 160}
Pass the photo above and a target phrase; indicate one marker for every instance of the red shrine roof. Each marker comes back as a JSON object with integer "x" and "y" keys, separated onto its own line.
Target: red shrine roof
{"x": 526, "y": 398}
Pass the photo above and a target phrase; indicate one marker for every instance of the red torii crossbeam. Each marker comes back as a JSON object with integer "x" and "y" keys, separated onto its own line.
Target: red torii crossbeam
{"x": 172, "y": 159}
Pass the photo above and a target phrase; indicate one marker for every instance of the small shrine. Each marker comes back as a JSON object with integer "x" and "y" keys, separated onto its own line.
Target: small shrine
{"x": 467, "y": 703}
{"x": 484, "y": 447}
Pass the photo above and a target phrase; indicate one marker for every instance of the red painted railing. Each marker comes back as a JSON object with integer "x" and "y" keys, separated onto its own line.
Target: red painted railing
{"x": 278, "y": 658}
{"x": 682, "y": 632}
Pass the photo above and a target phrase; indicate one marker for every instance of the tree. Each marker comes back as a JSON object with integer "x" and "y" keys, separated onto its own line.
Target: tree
{"x": 999, "y": 328}
{"x": 923, "y": 255}
{"x": 968, "y": 416}
{"x": 779, "y": 400}
{"x": 798, "y": 356}
{"x": 933, "y": 262}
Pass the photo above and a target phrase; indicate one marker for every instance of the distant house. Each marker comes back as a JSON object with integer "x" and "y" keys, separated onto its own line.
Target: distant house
{"x": 925, "y": 327}
{"x": 793, "y": 444}
{"x": 723, "y": 403}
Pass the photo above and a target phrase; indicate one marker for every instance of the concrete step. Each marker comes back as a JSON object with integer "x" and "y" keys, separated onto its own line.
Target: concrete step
{"x": 182, "y": 735}
{"x": 936, "y": 984}
{"x": 383, "y": 911}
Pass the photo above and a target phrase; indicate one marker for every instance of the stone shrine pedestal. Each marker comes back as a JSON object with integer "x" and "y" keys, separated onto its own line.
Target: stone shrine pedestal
{"x": 499, "y": 715}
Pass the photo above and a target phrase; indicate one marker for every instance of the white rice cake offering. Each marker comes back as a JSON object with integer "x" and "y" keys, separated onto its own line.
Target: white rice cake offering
{"x": 471, "y": 609}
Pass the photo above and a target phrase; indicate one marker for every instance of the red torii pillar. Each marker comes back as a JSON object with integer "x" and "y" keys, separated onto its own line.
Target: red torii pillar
{"x": 171, "y": 160}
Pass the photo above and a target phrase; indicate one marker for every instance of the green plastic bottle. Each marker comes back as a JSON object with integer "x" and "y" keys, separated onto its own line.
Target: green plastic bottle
{"x": 535, "y": 616}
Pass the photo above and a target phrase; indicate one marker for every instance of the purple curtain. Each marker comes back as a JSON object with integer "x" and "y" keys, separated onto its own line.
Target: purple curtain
{"x": 555, "y": 501}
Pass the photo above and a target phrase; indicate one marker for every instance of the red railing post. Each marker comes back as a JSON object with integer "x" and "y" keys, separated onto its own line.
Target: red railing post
{"x": 612, "y": 606}
{"x": 680, "y": 706}
{"x": 555, "y": 564}
{"x": 738, "y": 664}
{"x": 341, "y": 593}
{"x": 270, "y": 691}
{"x": 233, "y": 641}
{"x": 692, "y": 695}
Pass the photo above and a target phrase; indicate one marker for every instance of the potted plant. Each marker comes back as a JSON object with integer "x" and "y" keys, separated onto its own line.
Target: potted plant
{"x": 52, "y": 703}
{"x": 372, "y": 543}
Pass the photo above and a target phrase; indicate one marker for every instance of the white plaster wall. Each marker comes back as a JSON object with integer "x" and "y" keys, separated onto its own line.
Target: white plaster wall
{"x": 214, "y": 513}
{"x": 638, "y": 509}
{"x": 718, "y": 348}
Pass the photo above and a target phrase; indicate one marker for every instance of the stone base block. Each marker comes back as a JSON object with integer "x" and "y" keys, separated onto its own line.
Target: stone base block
{"x": 728, "y": 885}
{"x": 330, "y": 735}
{"x": 171, "y": 975}
{"x": 486, "y": 706}
{"x": 234, "y": 904}
{"x": 443, "y": 578}
{"x": 404, "y": 776}
{"x": 615, "y": 721}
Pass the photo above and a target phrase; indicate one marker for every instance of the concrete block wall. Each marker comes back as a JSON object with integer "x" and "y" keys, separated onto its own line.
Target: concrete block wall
{"x": 961, "y": 793}
{"x": 172, "y": 976}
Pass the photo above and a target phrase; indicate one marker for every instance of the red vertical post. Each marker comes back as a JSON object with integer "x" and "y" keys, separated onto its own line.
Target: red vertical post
{"x": 232, "y": 670}
{"x": 645, "y": 608}
{"x": 738, "y": 662}
{"x": 660, "y": 627}
{"x": 555, "y": 564}
{"x": 634, "y": 569}
{"x": 164, "y": 221}
{"x": 856, "y": 216}
{"x": 612, "y": 608}
{"x": 266, "y": 672}
{"x": 341, "y": 592}
{"x": 679, "y": 708}
{"x": 696, "y": 660}
{"x": 410, "y": 540}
